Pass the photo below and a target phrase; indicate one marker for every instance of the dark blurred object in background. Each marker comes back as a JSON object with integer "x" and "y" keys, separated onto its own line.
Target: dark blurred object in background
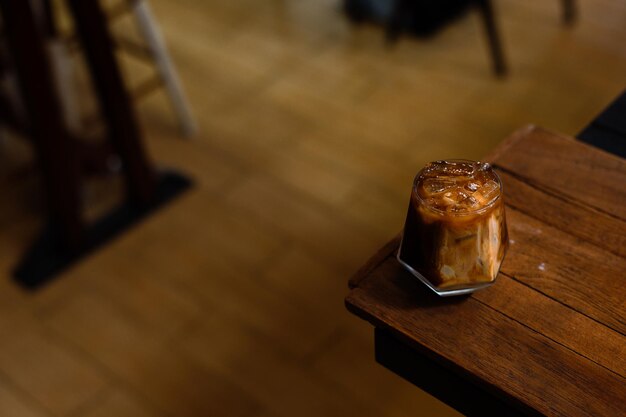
{"x": 418, "y": 17}
{"x": 424, "y": 18}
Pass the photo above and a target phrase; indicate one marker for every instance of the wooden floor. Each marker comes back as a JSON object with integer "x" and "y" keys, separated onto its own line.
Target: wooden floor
{"x": 229, "y": 302}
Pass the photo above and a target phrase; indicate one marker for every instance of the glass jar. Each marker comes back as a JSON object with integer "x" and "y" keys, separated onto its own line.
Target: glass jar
{"x": 455, "y": 234}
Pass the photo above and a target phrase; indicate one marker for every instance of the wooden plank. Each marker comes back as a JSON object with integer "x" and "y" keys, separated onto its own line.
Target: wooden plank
{"x": 558, "y": 322}
{"x": 545, "y": 315}
{"x": 574, "y": 218}
{"x": 49, "y": 372}
{"x": 296, "y": 215}
{"x": 574, "y": 272}
{"x": 16, "y": 404}
{"x": 569, "y": 167}
{"x": 171, "y": 382}
{"x": 121, "y": 403}
{"x": 437, "y": 380}
{"x": 266, "y": 374}
{"x": 512, "y": 362}
{"x": 553, "y": 319}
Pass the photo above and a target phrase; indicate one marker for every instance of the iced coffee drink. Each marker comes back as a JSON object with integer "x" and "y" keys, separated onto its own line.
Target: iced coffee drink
{"x": 455, "y": 233}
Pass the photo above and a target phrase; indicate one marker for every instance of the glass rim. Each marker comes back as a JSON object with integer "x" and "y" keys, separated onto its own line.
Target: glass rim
{"x": 458, "y": 214}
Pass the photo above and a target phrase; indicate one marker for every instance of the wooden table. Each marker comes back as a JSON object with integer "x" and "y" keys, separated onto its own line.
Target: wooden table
{"x": 549, "y": 337}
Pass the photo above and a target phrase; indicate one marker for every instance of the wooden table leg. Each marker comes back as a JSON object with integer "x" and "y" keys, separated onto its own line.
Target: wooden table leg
{"x": 115, "y": 102}
{"x": 497, "y": 54}
{"x": 55, "y": 151}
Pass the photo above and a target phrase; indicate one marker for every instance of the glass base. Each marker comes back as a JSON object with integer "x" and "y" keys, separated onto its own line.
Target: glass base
{"x": 442, "y": 292}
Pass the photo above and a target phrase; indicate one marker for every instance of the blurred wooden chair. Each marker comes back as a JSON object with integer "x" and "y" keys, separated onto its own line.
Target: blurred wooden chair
{"x": 64, "y": 158}
{"x": 157, "y": 50}
{"x": 152, "y": 50}
{"x": 485, "y": 8}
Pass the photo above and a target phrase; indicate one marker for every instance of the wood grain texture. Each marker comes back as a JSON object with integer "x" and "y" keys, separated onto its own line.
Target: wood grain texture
{"x": 557, "y": 311}
{"x": 569, "y": 168}
{"x": 567, "y": 269}
{"x": 54, "y": 376}
{"x": 573, "y": 218}
{"x": 120, "y": 403}
{"x": 14, "y": 404}
{"x": 519, "y": 365}
{"x": 172, "y": 383}
{"x": 322, "y": 126}
{"x": 560, "y": 323}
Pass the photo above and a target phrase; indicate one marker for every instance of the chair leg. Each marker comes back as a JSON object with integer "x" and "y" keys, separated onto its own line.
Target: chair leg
{"x": 497, "y": 54}
{"x": 401, "y": 9}
{"x": 123, "y": 131}
{"x": 150, "y": 31}
{"x": 64, "y": 76}
{"x": 57, "y": 155}
{"x": 61, "y": 63}
{"x": 570, "y": 12}
{"x": 3, "y": 139}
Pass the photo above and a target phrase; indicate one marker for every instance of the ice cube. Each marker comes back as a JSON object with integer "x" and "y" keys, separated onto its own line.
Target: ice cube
{"x": 487, "y": 192}
{"x": 456, "y": 195}
{"x": 466, "y": 205}
{"x": 471, "y": 202}
{"x": 437, "y": 185}
{"x": 483, "y": 166}
{"x": 447, "y": 272}
{"x": 472, "y": 186}
{"x": 446, "y": 202}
